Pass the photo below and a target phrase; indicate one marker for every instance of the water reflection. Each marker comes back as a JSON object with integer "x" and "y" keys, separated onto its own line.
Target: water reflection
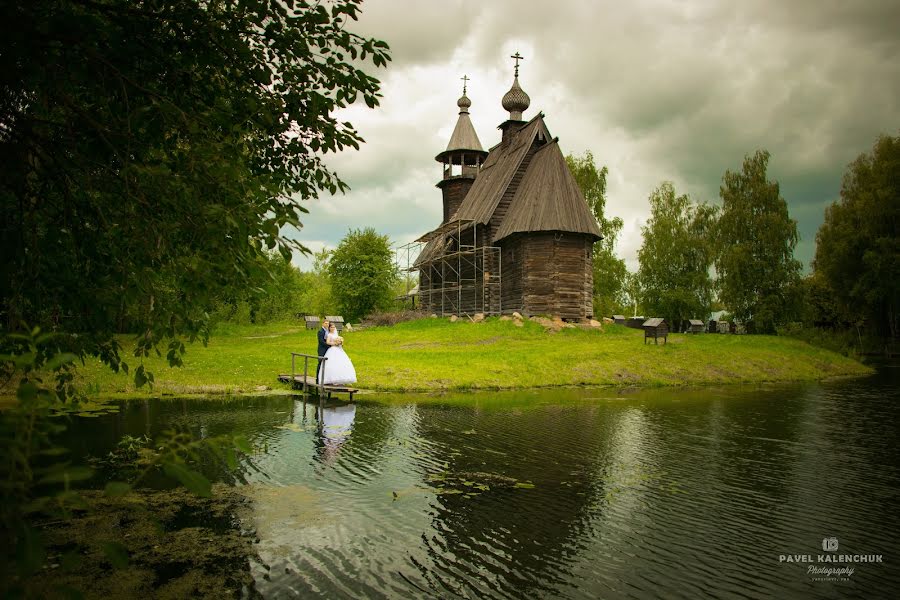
{"x": 564, "y": 494}
{"x": 336, "y": 424}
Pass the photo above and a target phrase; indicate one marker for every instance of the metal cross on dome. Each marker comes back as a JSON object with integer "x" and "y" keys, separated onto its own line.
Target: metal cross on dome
{"x": 465, "y": 80}
{"x": 517, "y": 57}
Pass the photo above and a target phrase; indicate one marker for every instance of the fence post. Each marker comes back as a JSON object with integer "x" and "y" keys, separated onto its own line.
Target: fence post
{"x": 293, "y": 368}
{"x": 305, "y": 372}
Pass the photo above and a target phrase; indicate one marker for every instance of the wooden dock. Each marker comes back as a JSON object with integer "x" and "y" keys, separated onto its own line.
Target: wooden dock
{"x": 307, "y": 383}
{"x": 313, "y": 387}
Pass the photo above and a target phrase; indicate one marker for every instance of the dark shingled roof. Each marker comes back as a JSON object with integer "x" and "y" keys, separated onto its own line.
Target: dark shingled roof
{"x": 464, "y": 136}
{"x": 497, "y": 172}
{"x": 548, "y": 199}
{"x": 431, "y": 251}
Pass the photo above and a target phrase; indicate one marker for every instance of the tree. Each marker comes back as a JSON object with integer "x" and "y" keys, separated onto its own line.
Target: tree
{"x": 609, "y": 270}
{"x": 858, "y": 245}
{"x": 756, "y": 238}
{"x": 362, "y": 273}
{"x": 676, "y": 256}
{"x": 277, "y": 294}
{"x": 632, "y": 293}
{"x": 153, "y": 151}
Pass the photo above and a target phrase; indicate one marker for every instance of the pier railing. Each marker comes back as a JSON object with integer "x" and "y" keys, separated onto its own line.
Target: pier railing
{"x": 317, "y": 379}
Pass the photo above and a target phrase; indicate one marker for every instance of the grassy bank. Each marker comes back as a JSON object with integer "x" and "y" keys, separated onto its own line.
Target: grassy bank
{"x": 435, "y": 354}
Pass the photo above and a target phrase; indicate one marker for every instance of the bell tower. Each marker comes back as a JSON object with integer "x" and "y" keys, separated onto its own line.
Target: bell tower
{"x": 461, "y": 160}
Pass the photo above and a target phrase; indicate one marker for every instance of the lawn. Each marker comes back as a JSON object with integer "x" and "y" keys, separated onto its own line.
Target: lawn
{"x": 436, "y": 354}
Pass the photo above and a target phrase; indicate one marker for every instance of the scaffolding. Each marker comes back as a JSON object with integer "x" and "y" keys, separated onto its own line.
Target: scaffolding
{"x": 458, "y": 278}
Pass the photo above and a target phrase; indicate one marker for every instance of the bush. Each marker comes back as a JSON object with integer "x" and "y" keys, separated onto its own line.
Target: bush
{"x": 847, "y": 341}
{"x": 381, "y": 319}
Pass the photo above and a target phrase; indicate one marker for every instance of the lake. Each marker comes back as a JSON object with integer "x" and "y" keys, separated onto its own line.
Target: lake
{"x": 732, "y": 492}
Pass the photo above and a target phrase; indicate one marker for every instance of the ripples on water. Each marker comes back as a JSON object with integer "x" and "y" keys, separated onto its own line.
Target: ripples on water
{"x": 564, "y": 494}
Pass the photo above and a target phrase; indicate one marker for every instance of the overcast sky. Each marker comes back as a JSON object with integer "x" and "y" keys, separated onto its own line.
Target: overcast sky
{"x": 656, "y": 89}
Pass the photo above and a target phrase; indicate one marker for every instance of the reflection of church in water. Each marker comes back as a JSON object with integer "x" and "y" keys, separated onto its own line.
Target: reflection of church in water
{"x": 516, "y": 234}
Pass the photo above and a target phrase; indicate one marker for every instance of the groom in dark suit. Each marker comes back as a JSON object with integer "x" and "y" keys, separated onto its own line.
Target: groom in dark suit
{"x": 323, "y": 346}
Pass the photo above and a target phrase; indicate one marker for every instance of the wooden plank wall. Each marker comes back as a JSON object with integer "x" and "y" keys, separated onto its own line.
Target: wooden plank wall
{"x": 557, "y": 275}
{"x": 511, "y": 286}
{"x": 543, "y": 273}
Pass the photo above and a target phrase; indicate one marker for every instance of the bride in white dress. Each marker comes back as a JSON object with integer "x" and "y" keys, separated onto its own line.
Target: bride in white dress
{"x": 338, "y": 369}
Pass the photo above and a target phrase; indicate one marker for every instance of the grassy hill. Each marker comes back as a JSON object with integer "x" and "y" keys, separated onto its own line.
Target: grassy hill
{"x": 435, "y": 354}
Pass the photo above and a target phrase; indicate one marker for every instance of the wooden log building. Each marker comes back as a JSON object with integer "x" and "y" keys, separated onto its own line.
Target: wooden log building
{"x": 517, "y": 234}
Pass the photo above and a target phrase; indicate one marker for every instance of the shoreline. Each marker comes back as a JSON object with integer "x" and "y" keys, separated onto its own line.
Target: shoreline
{"x": 372, "y": 394}
{"x": 439, "y": 356}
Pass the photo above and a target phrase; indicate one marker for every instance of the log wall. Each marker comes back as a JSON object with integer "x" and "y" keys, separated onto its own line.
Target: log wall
{"x": 548, "y": 273}
{"x": 454, "y": 192}
{"x": 512, "y": 258}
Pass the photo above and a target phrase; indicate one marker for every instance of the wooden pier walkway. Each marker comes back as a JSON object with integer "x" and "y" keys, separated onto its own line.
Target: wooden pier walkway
{"x": 307, "y": 382}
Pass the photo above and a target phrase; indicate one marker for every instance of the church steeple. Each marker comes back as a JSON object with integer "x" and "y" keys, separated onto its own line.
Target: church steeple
{"x": 464, "y": 136}
{"x": 461, "y": 159}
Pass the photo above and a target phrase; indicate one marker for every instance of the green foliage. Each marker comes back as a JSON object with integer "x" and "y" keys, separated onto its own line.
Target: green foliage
{"x": 278, "y": 294}
{"x": 151, "y": 152}
{"x": 817, "y": 303}
{"x": 676, "y": 257}
{"x": 858, "y": 245}
{"x": 849, "y": 341}
{"x": 436, "y": 354}
{"x": 362, "y": 273}
{"x": 631, "y": 295}
{"x": 609, "y": 270}
{"x": 756, "y": 237}
{"x": 319, "y": 298}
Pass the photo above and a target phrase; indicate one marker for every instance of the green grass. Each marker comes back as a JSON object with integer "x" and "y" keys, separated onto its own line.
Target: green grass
{"x": 435, "y": 354}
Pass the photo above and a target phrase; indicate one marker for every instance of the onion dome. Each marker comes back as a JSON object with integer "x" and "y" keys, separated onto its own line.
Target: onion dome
{"x": 464, "y": 103}
{"x": 516, "y": 101}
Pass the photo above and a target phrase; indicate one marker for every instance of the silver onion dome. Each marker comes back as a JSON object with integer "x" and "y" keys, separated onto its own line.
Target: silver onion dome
{"x": 516, "y": 101}
{"x": 464, "y": 103}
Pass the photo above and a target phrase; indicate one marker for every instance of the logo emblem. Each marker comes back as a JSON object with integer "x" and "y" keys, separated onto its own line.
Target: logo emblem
{"x": 830, "y": 544}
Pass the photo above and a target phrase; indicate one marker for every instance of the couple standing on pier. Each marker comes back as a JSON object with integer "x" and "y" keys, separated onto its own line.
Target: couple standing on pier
{"x": 338, "y": 369}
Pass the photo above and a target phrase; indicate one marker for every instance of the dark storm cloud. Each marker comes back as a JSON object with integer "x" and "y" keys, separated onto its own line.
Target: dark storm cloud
{"x": 656, "y": 90}
{"x": 417, "y": 32}
{"x": 700, "y": 85}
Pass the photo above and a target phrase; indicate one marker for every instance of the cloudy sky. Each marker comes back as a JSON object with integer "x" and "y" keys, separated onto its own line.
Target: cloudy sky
{"x": 656, "y": 89}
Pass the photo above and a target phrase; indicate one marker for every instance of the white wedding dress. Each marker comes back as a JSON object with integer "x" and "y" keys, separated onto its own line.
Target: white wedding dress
{"x": 338, "y": 369}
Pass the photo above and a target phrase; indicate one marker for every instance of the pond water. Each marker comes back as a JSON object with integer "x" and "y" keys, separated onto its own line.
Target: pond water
{"x": 581, "y": 493}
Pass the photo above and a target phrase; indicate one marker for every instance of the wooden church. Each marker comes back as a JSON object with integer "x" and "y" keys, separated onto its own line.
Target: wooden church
{"x": 517, "y": 234}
